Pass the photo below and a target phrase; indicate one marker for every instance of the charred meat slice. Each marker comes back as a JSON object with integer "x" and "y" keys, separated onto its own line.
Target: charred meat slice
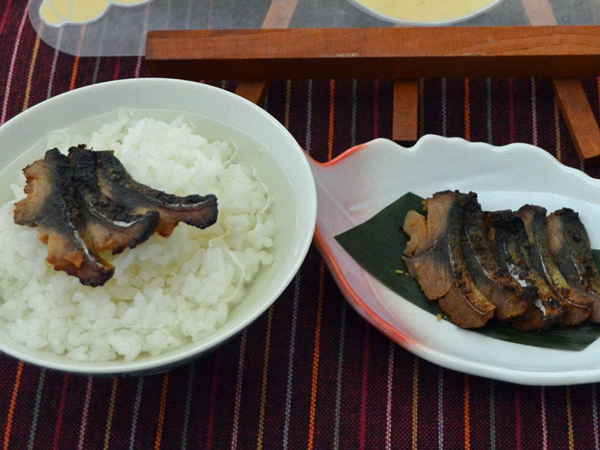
{"x": 508, "y": 239}
{"x": 477, "y": 310}
{"x": 570, "y": 245}
{"x": 116, "y": 183}
{"x": 534, "y": 219}
{"x": 438, "y": 263}
{"x": 52, "y": 205}
{"x": 510, "y": 298}
{"x": 110, "y": 226}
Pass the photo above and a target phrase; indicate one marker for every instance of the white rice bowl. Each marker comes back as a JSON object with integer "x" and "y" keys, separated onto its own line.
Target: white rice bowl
{"x": 165, "y": 293}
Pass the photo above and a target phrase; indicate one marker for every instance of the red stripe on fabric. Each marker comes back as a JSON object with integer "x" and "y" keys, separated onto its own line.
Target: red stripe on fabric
{"x": 598, "y": 92}
{"x": 518, "y": 417}
{"x": 511, "y": 109}
{"x": 467, "y": 109}
{"x": 117, "y": 69}
{"x": 213, "y": 400}
{"x": 161, "y": 413}
{"x": 376, "y": 111}
{"x": 331, "y": 118}
{"x": 61, "y": 410}
{"x": 5, "y": 16}
{"x": 365, "y": 377}
{"x": 467, "y": 413}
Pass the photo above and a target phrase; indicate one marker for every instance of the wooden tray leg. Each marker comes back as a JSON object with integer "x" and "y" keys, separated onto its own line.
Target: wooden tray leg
{"x": 573, "y": 102}
{"x": 254, "y": 91}
{"x": 580, "y": 119}
{"x": 405, "y": 126}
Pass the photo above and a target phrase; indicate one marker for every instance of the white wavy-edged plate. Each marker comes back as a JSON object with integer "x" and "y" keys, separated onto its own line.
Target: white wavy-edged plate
{"x": 365, "y": 179}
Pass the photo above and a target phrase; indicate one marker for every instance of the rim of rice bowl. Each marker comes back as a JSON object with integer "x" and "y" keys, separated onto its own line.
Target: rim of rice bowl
{"x": 33, "y": 125}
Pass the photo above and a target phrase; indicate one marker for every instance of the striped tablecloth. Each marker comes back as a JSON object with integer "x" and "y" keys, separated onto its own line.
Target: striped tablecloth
{"x": 309, "y": 373}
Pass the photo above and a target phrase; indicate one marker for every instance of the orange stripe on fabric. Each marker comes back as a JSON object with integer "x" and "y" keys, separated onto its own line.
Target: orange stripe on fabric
{"x": 13, "y": 402}
{"x": 161, "y": 414}
{"x": 331, "y": 118}
{"x": 415, "y": 405}
{"x": 265, "y": 374}
{"x": 570, "y": 420}
{"x": 467, "y": 413}
{"x": 315, "y": 371}
{"x": 76, "y": 62}
{"x": 30, "y": 73}
{"x": 111, "y": 411}
{"x": 74, "y": 73}
{"x": 467, "y": 109}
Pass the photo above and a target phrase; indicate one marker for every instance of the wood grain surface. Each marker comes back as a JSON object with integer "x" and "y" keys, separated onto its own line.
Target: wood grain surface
{"x": 409, "y": 53}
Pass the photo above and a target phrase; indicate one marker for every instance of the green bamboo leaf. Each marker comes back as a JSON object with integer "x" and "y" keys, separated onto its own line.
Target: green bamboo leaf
{"x": 377, "y": 245}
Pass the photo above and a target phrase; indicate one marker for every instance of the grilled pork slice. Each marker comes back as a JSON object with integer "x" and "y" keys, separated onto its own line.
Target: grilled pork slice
{"x": 116, "y": 183}
{"x": 579, "y": 306}
{"x": 570, "y": 245}
{"x": 510, "y": 298}
{"x": 110, "y": 226}
{"x": 434, "y": 256}
{"x": 52, "y": 205}
{"x": 508, "y": 239}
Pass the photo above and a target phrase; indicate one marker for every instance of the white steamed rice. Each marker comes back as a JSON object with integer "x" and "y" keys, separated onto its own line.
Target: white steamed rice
{"x": 166, "y": 292}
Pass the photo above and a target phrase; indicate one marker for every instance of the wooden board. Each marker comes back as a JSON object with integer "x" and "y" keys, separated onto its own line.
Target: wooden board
{"x": 408, "y": 53}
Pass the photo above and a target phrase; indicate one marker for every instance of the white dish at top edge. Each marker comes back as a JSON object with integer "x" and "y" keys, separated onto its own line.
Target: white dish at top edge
{"x": 381, "y": 16}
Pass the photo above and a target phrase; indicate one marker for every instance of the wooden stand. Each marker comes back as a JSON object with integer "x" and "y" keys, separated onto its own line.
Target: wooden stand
{"x": 406, "y": 54}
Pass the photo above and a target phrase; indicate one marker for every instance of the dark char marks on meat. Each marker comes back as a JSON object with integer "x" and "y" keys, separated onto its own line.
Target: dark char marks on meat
{"x": 579, "y": 306}
{"x": 87, "y": 203}
{"x": 116, "y": 183}
{"x": 510, "y": 298}
{"x": 570, "y": 245}
{"x": 52, "y": 204}
{"x": 508, "y": 239}
{"x": 110, "y": 225}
